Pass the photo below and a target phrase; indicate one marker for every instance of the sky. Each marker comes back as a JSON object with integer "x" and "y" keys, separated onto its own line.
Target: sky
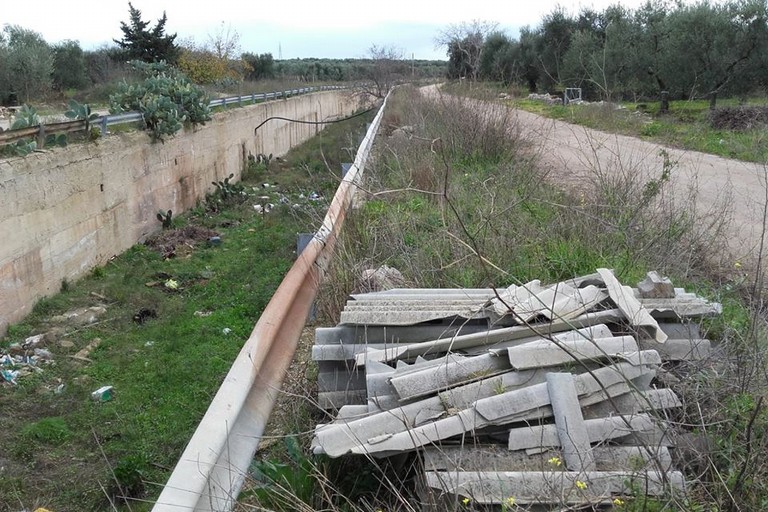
{"x": 289, "y": 29}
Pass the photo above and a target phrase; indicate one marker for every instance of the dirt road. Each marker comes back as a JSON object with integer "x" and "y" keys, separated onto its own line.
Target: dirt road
{"x": 716, "y": 186}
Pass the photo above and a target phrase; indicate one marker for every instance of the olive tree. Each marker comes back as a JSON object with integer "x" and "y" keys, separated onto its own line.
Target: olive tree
{"x": 464, "y": 47}
{"x": 27, "y": 64}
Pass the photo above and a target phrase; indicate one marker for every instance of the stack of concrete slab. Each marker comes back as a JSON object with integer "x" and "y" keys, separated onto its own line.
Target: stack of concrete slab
{"x": 546, "y": 394}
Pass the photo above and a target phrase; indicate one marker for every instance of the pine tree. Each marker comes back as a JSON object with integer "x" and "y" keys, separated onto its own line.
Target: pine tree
{"x": 140, "y": 42}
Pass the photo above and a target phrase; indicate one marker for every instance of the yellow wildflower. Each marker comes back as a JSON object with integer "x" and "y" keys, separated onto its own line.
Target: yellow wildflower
{"x": 737, "y": 264}
{"x": 581, "y": 485}
{"x": 618, "y": 502}
{"x": 555, "y": 461}
{"x": 465, "y": 501}
{"x": 511, "y": 501}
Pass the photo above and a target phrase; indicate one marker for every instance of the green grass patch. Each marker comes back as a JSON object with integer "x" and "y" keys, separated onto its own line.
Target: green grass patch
{"x": 685, "y": 126}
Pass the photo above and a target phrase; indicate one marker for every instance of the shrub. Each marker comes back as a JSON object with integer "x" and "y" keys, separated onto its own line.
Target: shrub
{"x": 166, "y": 99}
{"x": 204, "y": 67}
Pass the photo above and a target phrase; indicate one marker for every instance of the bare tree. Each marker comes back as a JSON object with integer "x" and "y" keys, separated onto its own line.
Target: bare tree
{"x": 225, "y": 42}
{"x": 464, "y": 45}
{"x": 386, "y": 68}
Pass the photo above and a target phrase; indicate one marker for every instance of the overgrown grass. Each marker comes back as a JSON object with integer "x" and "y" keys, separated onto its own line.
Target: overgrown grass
{"x": 64, "y": 451}
{"x": 465, "y": 184}
{"x": 685, "y": 126}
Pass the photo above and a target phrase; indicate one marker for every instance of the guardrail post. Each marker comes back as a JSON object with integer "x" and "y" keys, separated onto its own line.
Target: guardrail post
{"x": 103, "y": 125}
{"x": 239, "y": 100}
{"x": 41, "y": 136}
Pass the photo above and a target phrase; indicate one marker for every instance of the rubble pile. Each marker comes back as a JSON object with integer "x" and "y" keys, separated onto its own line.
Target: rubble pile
{"x": 543, "y": 394}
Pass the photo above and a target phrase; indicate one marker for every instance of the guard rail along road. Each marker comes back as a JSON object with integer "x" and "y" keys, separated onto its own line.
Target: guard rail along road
{"x": 103, "y": 122}
{"x": 213, "y": 467}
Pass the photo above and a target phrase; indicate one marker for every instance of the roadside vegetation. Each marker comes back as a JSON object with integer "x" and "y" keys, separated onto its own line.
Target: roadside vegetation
{"x": 170, "y": 315}
{"x": 702, "y": 50}
{"x": 734, "y": 130}
{"x": 455, "y": 199}
{"x": 34, "y": 72}
{"x": 170, "y": 80}
{"x": 706, "y": 60}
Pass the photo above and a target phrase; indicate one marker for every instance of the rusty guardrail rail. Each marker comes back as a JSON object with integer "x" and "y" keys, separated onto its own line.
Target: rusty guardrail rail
{"x": 213, "y": 467}
{"x": 42, "y": 130}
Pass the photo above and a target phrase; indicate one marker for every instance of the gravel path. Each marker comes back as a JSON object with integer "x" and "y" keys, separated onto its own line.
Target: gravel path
{"x": 718, "y": 188}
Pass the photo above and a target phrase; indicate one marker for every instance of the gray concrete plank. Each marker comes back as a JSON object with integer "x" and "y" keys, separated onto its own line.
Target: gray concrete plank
{"x": 598, "y": 430}
{"x": 654, "y": 286}
{"x": 494, "y": 457}
{"x": 681, "y": 350}
{"x": 634, "y": 402}
{"x": 362, "y": 334}
{"x": 546, "y": 353}
{"x": 487, "y": 338}
{"x": 555, "y": 487}
{"x": 574, "y": 439}
{"x": 633, "y": 310}
{"x": 681, "y": 331}
{"x": 450, "y": 373}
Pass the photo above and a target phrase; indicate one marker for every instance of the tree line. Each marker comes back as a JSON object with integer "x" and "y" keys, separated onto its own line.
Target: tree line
{"x": 30, "y": 68}
{"x": 693, "y": 51}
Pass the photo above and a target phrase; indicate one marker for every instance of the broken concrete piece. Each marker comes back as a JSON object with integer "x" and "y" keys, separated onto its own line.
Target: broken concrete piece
{"x": 656, "y": 287}
{"x": 634, "y": 312}
{"x": 530, "y": 301}
{"x": 80, "y": 316}
{"x": 380, "y": 279}
{"x": 86, "y": 351}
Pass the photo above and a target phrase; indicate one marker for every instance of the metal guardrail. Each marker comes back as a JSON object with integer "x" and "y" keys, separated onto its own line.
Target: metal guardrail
{"x": 103, "y": 122}
{"x": 214, "y": 465}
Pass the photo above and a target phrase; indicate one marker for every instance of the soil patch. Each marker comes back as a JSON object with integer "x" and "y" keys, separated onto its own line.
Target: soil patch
{"x": 176, "y": 242}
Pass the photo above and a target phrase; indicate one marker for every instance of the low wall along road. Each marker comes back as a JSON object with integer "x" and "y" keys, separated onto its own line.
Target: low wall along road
{"x": 67, "y": 210}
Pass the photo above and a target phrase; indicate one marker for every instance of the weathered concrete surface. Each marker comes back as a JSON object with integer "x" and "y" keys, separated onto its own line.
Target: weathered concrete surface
{"x": 569, "y": 422}
{"x": 67, "y": 210}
